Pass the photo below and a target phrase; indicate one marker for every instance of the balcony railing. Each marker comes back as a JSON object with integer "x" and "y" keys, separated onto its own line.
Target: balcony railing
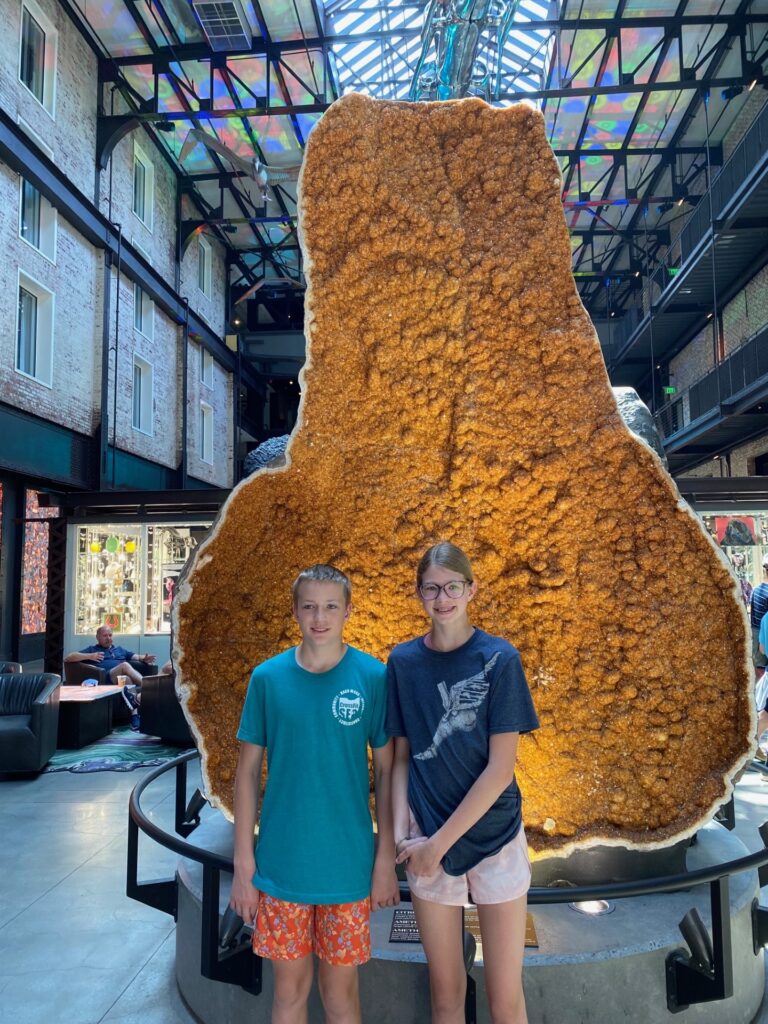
{"x": 733, "y": 174}
{"x": 742, "y": 369}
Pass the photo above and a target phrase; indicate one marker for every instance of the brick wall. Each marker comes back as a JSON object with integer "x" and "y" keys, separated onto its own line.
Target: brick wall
{"x": 219, "y": 397}
{"x": 75, "y": 280}
{"x": 210, "y": 308}
{"x": 71, "y": 131}
{"x": 747, "y": 313}
{"x": 753, "y": 104}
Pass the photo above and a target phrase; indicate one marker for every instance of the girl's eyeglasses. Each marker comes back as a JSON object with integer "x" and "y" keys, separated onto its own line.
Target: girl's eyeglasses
{"x": 453, "y": 589}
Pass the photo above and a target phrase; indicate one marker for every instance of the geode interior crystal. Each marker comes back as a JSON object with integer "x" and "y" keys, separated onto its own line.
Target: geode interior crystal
{"x": 455, "y": 389}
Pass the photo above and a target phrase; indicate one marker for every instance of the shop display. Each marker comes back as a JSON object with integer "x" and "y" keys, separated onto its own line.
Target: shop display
{"x": 126, "y": 575}
{"x": 455, "y": 389}
{"x": 34, "y": 583}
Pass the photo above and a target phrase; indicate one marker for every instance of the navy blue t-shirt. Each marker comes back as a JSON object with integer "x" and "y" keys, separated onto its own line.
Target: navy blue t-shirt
{"x": 448, "y": 704}
{"x": 112, "y": 656}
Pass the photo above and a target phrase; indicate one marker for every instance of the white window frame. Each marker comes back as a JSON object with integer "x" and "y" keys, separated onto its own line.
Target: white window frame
{"x": 206, "y": 367}
{"x": 206, "y": 433}
{"x": 32, "y": 134}
{"x": 44, "y": 329}
{"x": 143, "y": 312}
{"x": 141, "y": 250}
{"x": 47, "y": 226}
{"x": 148, "y": 191}
{"x": 50, "y": 47}
{"x": 145, "y": 423}
{"x": 204, "y": 257}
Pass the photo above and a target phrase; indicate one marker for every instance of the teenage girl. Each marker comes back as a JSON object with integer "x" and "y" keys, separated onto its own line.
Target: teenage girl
{"x": 457, "y": 703}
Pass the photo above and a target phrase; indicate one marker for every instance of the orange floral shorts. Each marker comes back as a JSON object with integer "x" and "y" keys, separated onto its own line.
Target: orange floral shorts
{"x": 338, "y": 933}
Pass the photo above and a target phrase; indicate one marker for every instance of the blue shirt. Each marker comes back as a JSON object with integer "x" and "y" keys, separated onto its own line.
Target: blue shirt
{"x": 448, "y": 704}
{"x": 315, "y": 840}
{"x": 759, "y": 605}
{"x": 112, "y": 656}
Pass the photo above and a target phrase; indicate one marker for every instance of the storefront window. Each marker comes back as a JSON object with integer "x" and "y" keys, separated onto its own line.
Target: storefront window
{"x": 168, "y": 548}
{"x": 108, "y": 587}
{"x": 34, "y": 584}
{"x": 126, "y": 575}
{"x": 744, "y": 539}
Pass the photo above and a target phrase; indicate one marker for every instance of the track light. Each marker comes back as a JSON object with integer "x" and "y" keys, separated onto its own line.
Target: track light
{"x": 732, "y": 92}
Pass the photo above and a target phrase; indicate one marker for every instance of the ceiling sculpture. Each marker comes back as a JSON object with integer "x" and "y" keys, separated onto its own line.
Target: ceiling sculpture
{"x": 637, "y": 98}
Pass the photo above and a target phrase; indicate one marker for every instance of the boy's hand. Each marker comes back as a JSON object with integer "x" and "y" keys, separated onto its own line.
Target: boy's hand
{"x": 244, "y": 897}
{"x": 385, "y": 889}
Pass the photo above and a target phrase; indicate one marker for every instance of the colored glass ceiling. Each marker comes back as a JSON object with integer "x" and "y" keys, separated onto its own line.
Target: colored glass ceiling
{"x": 622, "y": 86}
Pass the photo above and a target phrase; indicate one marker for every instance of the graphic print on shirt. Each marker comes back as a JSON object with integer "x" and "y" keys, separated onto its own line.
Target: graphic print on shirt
{"x": 461, "y": 703}
{"x": 348, "y": 707}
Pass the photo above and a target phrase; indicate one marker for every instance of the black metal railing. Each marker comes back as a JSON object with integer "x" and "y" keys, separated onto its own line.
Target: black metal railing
{"x": 706, "y": 975}
{"x": 745, "y": 367}
{"x": 737, "y": 169}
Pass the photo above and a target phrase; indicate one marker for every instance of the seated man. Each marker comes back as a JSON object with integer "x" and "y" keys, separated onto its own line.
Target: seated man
{"x": 118, "y": 662}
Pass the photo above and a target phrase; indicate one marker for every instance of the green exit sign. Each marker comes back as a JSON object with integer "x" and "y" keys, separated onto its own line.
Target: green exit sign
{"x": 669, "y": 390}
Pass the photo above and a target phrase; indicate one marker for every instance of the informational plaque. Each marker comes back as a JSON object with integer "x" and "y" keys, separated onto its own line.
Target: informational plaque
{"x": 405, "y": 929}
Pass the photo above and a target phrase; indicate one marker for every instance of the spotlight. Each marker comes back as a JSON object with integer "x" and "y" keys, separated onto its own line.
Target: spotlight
{"x": 732, "y": 92}
{"x": 236, "y": 322}
{"x": 229, "y": 229}
{"x": 664, "y": 207}
{"x": 164, "y": 126}
{"x": 593, "y": 908}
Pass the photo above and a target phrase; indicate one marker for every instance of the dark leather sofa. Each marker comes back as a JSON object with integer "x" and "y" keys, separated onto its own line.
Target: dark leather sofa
{"x": 160, "y": 712}
{"x": 9, "y": 666}
{"x": 29, "y": 720}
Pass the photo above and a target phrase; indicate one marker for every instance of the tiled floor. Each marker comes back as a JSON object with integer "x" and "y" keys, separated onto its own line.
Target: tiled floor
{"x": 73, "y": 948}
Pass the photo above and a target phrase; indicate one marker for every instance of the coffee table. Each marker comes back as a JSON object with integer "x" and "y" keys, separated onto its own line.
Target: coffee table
{"x": 85, "y": 713}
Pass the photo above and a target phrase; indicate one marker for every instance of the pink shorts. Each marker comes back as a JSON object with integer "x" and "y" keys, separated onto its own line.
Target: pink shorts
{"x": 498, "y": 879}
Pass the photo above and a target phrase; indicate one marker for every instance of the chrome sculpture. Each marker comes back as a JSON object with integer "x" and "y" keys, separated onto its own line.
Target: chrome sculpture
{"x": 454, "y": 30}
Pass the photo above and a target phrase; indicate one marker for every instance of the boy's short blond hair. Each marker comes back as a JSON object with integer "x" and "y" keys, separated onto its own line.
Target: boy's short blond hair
{"x": 322, "y": 573}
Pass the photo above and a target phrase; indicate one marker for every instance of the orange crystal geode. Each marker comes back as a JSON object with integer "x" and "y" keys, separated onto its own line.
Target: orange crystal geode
{"x": 455, "y": 389}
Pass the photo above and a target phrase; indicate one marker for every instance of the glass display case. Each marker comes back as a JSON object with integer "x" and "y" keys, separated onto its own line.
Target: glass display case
{"x": 125, "y": 576}
{"x": 743, "y": 537}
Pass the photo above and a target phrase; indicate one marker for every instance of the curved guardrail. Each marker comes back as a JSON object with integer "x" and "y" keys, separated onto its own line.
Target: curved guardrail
{"x": 703, "y": 973}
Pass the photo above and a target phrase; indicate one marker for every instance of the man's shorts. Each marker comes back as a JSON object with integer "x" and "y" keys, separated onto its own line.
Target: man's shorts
{"x": 498, "y": 879}
{"x": 338, "y": 933}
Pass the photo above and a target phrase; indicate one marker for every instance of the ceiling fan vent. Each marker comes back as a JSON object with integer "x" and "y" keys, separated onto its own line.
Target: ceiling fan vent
{"x": 225, "y": 24}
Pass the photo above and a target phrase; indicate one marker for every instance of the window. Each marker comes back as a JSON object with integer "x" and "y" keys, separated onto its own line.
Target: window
{"x": 143, "y": 312}
{"x": 204, "y": 259}
{"x": 37, "y": 220}
{"x": 37, "y": 57}
{"x": 206, "y": 367}
{"x": 206, "y": 433}
{"x": 141, "y": 250}
{"x": 142, "y": 395}
{"x": 143, "y": 186}
{"x": 34, "y": 330}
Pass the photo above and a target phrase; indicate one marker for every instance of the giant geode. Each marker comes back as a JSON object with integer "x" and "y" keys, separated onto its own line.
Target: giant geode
{"x": 454, "y": 388}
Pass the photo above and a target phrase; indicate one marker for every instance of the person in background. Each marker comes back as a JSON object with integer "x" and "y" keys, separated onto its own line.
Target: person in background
{"x": 757, "y": 609}
{"x": 117, "y": 661}
{"x": 457, "y": 703}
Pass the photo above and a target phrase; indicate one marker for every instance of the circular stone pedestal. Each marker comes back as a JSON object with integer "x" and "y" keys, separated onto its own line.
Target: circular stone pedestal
{"x": 585, "y": 970}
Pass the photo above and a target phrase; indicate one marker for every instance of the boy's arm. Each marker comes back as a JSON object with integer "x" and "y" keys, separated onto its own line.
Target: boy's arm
{"x": 244, "y": 898}
{"x": 385, "y": 891}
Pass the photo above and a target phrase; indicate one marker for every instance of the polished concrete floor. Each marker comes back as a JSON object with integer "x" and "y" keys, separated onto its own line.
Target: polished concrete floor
{"x": 73, "y": 948}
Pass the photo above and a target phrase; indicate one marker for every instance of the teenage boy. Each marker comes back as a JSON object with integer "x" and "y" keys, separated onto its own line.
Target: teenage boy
{"x": 313, "y": 880}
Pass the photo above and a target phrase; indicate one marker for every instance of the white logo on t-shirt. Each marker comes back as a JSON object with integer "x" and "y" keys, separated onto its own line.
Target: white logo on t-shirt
{"x": 348, "y": 707}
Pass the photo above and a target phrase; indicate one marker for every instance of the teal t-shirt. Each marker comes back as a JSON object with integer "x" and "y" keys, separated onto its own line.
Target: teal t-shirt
{"x": 315, "y": 841}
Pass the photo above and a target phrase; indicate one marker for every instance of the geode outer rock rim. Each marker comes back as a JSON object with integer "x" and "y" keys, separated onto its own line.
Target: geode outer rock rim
{"x": 454, "y": 388}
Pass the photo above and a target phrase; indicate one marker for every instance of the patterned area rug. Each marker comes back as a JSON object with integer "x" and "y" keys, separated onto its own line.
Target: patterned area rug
{"x": 121, "y": 751}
